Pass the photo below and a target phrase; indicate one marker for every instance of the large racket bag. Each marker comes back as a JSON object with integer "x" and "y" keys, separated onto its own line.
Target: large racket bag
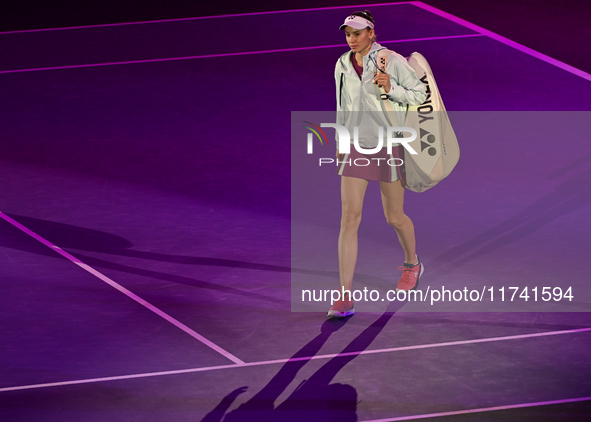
{"x": 436, "y": 145}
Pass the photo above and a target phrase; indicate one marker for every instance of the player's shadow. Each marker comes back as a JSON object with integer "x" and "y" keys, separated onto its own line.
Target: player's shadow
{"x": 73, "y": 239}
{"x": 316, "y": 399}
{"x": 68, "y": 236}
{"x": 567, "y": 197}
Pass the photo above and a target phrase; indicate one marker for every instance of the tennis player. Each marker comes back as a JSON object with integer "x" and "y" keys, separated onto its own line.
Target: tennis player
{"x": 358, "y": 79}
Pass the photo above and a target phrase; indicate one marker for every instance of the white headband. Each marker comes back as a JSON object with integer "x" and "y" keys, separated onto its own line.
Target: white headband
{"x": 356, "y": 22}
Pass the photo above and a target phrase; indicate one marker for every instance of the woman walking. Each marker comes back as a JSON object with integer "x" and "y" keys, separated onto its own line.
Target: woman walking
{"x": 358, "y": 81}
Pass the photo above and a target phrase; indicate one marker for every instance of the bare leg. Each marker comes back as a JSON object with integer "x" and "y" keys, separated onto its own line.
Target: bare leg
{"x": 393, "y": 202}
{"x": 352, "y": 194}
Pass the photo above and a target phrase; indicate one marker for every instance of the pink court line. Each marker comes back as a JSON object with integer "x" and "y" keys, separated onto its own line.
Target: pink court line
{"x": 282, "y": 361}
{"x": 209, "y": 56}
{"x": 419, "y": 4}
{"x": 482, "y": 409}
{"x": 205, "y": 17}
{"x": 123, "y": 290}
{"x": 506, "y": 41}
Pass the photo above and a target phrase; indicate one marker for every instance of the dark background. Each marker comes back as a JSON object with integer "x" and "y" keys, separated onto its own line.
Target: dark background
{"x": 557, "y": 28}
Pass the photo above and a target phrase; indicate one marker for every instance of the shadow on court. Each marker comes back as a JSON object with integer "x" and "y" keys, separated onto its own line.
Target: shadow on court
{"x": 315, "y": 399}
{"x": 567, "y": 197}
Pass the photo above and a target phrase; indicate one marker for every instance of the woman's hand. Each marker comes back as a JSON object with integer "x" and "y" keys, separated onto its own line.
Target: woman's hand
{"x": 383, "y": 81}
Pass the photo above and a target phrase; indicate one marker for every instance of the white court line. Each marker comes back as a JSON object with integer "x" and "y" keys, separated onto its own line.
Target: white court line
{"x": 240, "y": 53}
{"x": 448, "y": 16}
{"x": 123, "y": 290}
{"x": 280, "y": 361}
{"x": 238, "y": 362}
{"x": 482, "y": 409}
{"x": 506, "y": 41}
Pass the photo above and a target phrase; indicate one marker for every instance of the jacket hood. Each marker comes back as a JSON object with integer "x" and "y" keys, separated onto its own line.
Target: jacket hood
{"x": 375, "y": 47}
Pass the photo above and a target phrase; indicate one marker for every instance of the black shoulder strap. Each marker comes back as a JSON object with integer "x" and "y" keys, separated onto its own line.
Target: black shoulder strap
{"x": 341, "y": 89}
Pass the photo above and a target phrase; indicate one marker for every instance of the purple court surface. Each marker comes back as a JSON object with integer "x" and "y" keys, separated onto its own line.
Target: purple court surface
{"x": 158, "y": 219}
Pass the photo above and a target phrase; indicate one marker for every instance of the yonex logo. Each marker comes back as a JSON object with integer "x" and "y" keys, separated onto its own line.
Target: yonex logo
{"x": 424, "y": 110}
{"x": 430, "y": 139}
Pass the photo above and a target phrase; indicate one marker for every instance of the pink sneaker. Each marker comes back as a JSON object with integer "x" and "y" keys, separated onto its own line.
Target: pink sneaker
{"x": 410, "y": 276}
{"x": 341, "y": 309}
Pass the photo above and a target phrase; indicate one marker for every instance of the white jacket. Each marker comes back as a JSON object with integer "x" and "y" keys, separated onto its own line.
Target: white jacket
{"x": 359, "y": 103}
